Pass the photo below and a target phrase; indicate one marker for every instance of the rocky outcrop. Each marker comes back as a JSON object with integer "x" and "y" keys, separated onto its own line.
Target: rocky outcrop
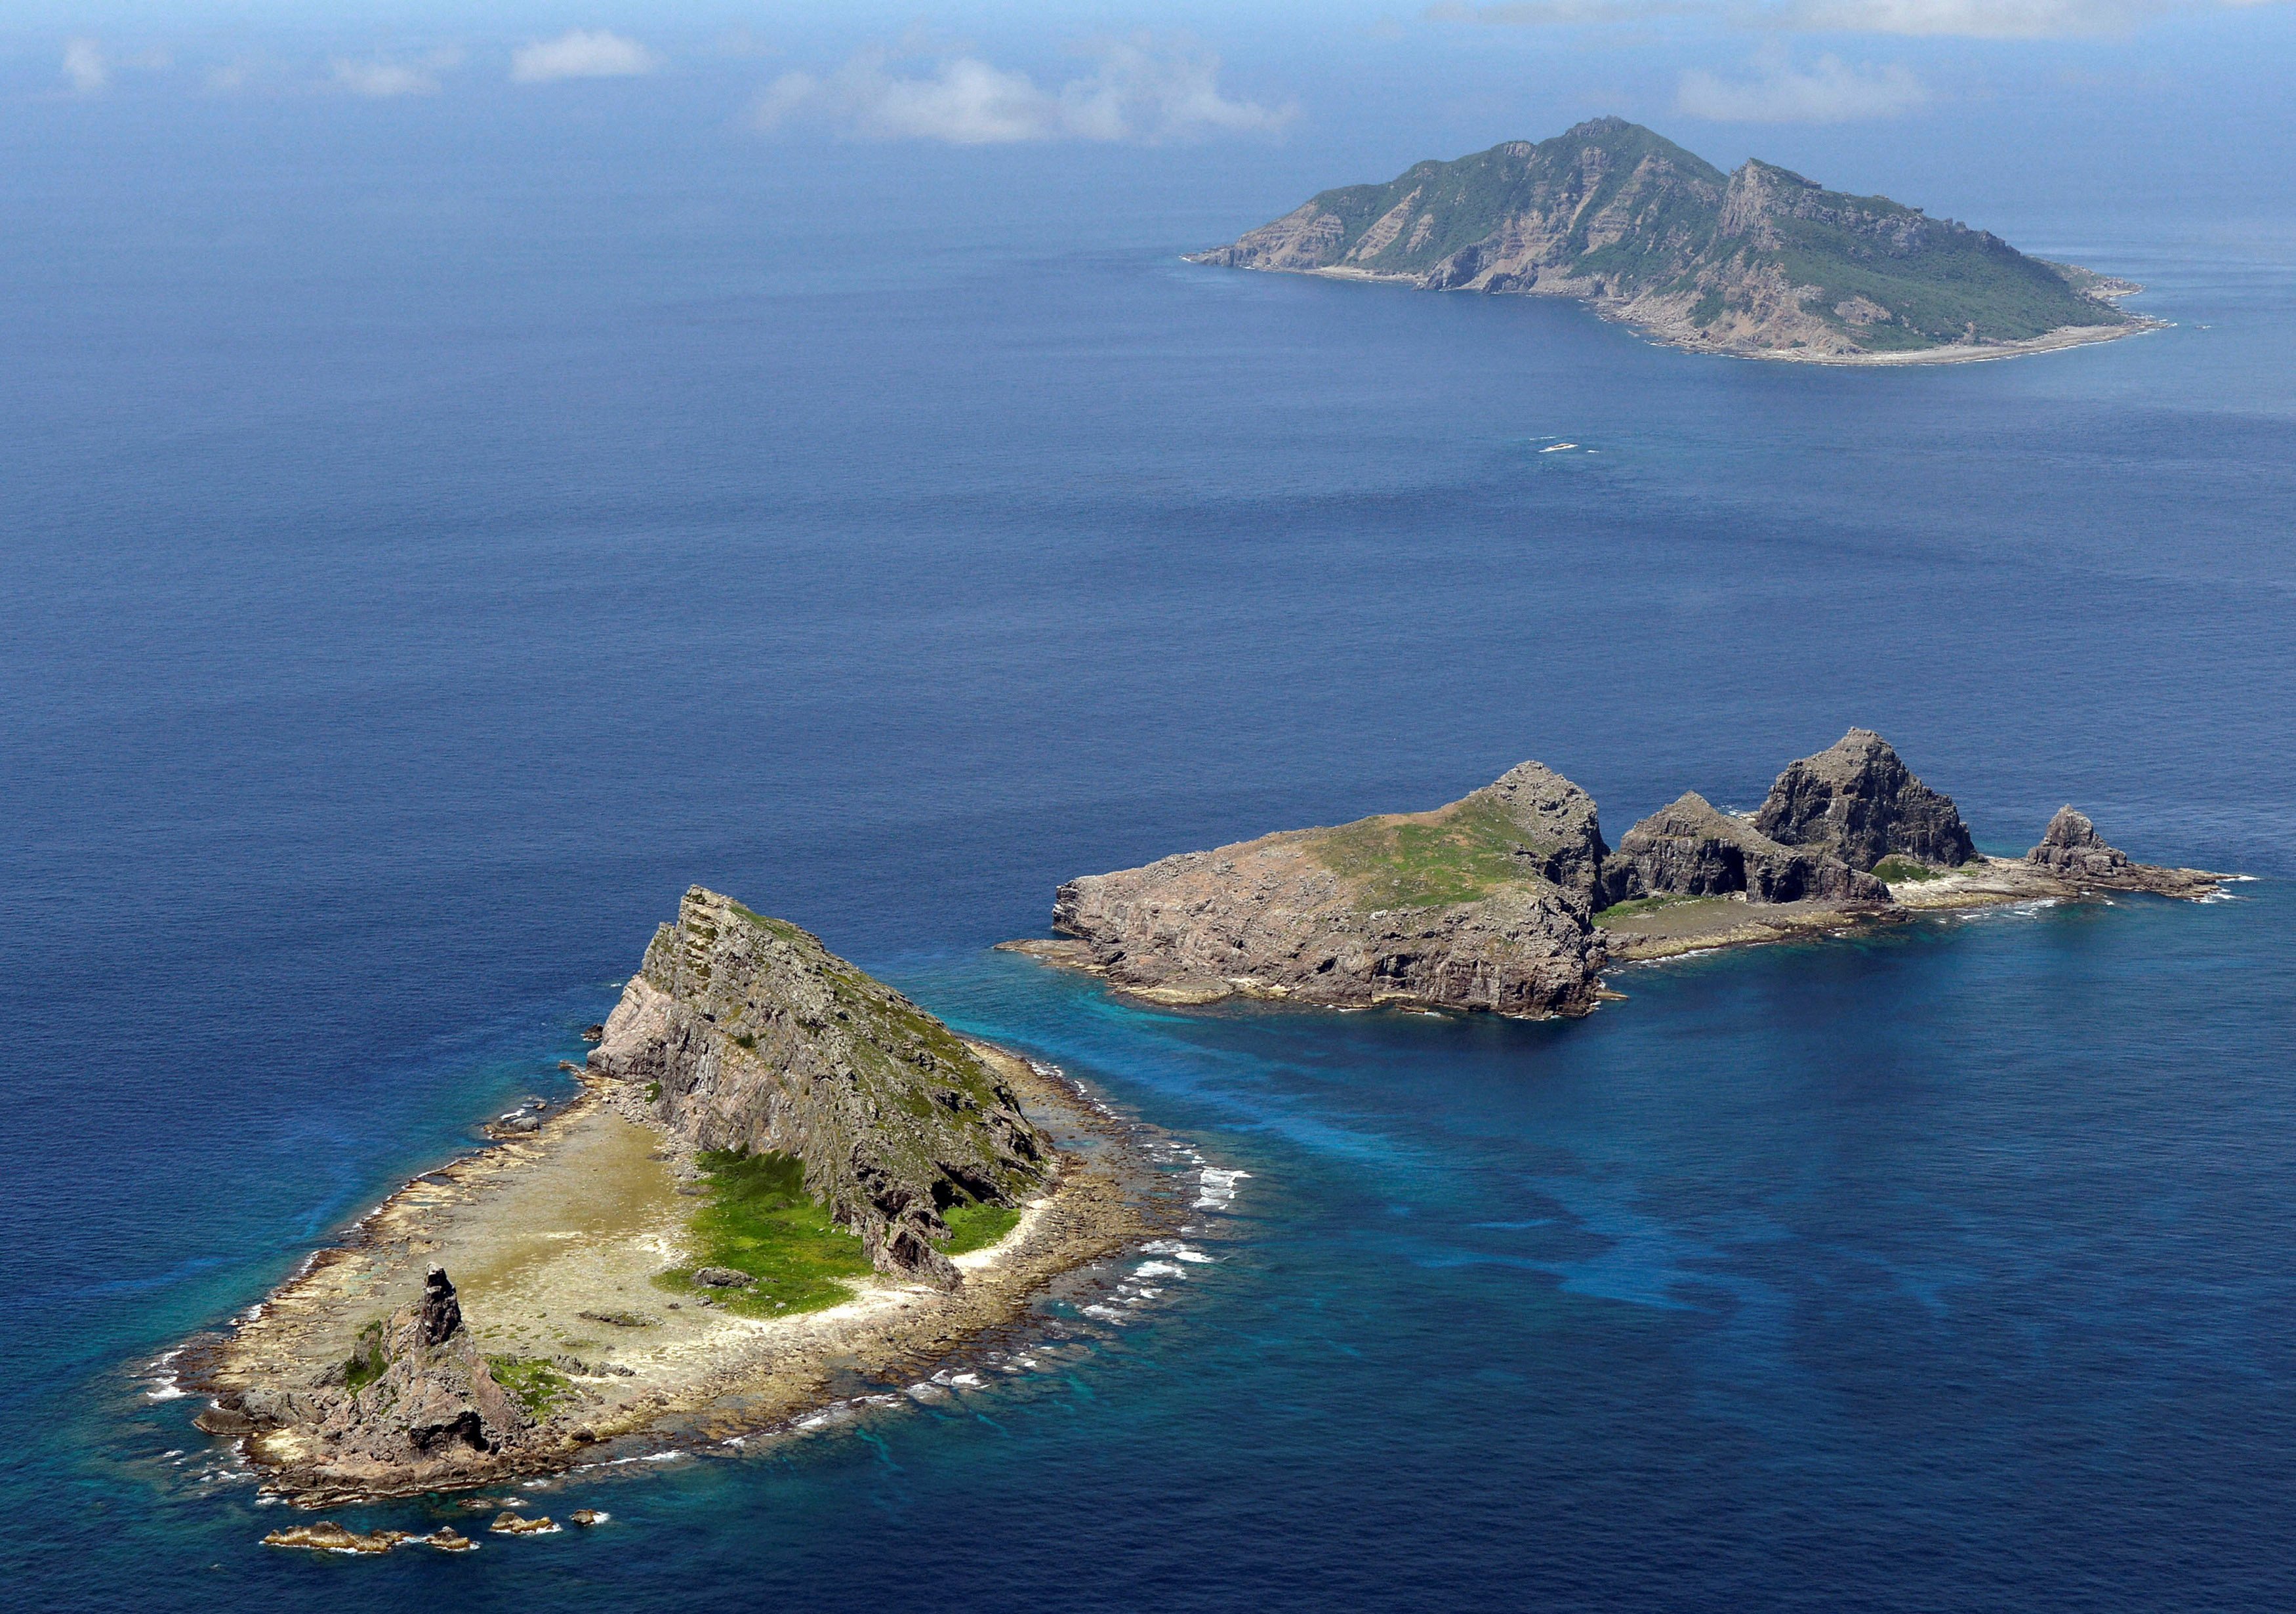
{"x": 1555, "y": 825}
{"x": 416, "y": 1397}
{"x": 1484, "y": 904}
{"x": 1690, "y": 849}
{"x": 1759, "y": 261}
{"x": 2073, "y": 851}
{"x": 745, "y": 1033}
{"x": 1858, "y": 802}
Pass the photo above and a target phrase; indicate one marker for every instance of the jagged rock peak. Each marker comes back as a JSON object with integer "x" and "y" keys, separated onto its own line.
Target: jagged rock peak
{"x": 753, "y": 1036}
{"x": 438, "y": 1315}
{"x": 1859, "y": 800}
{"x": 1690, "y": 848}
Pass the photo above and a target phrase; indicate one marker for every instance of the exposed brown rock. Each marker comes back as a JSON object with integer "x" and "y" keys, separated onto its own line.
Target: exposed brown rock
{"x": 1484, "y": 904}
{"x": 1690, "y": 849}
{"x": 751, "y": 1036}
{"x": 430, "y": 1405}
{"x": 2073, "y": 851}
{"x": 1858, "y": 802}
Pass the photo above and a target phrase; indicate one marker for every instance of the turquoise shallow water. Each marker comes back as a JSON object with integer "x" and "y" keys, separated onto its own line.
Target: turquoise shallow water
{"x": 388, "y": 650}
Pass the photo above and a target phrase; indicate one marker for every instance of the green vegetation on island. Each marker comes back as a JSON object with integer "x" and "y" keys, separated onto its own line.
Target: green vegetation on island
{"x": 1760, "y": 261}
{"x": 1461, "y": 852}
{"x": 759, "y": 1219}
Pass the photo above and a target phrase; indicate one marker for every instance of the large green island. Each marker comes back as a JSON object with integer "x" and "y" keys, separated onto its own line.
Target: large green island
{"x": 1759, "y": 263}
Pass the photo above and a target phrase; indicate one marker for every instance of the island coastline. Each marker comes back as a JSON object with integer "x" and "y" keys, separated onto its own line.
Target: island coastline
{"x": 684, "y": 1370}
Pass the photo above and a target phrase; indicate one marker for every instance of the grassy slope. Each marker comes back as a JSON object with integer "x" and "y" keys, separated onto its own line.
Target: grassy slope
{"x": 1960, "y": 277}
{"x": 759, "y": 1219}
{"x": 1463, "y": 853}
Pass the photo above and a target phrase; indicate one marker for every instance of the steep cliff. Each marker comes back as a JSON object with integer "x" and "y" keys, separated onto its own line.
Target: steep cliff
{"x": 750, "y": 1035}
{"x": 1690, "y": 849}
{"x": 1483, "y": 904}
{"x": 1759, "y": 261}
{"x": 1858, "y": 802}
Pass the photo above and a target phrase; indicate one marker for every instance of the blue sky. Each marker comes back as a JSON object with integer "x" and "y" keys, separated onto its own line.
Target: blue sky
{"x": 1982, "y": 102}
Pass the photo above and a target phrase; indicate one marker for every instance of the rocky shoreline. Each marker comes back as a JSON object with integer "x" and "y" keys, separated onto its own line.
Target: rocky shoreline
{"x": 561, "y": 1335}
{"x": 1509, "y": 901}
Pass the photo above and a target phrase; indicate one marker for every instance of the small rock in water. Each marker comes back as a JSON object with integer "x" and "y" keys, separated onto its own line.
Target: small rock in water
{"x": 594, "y": 1033}
{"x": 328, "y": 1537}
{"x": 587, "y": 1517}
{"x": 507, "y": 1523}
{"x": 447, "y": 1539}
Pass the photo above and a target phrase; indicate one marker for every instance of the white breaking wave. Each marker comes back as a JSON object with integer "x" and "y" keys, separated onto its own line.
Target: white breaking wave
{"x": 1218, "y": 1188}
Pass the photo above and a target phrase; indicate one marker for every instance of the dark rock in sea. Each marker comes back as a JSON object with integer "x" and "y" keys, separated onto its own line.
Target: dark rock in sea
{"x": 1484, "y": 904}
{"x": 507, "y": 1523}
{"x": 751, "y": 1035}
{"x": 2073, "y": 851}
{"x": 587, "y": 1518}
{"x": 1857, "y": 801}
{"x": 448, "y": 1539}
{"x": 328, "y": 1537}
{"x": 1690, "y": 849}
{"x": 594, "y": 1033}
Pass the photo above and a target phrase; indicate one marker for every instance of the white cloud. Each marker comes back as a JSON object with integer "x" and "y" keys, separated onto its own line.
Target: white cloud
{"x": 1830, "y": 91}
{"x": 1963, "y": 19}
{"x": 1139, "y": 90}
{"x": 85, "y": 68}
{"x": 580, "y": 55}
{"x": 384, "y": 80}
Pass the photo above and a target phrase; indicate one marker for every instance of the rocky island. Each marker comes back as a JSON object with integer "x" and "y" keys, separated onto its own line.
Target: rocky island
{"x": 1509, "y": 901}
{"x": 1761, "y": 263}
{"x": 780, "y": 1174}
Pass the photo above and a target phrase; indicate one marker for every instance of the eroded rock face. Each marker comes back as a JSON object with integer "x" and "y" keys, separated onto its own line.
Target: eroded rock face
{"x": 1858, "y": 802}
{"x": 1484, "y": 904}
{"x": 1690, "y": 849}
{"x": 2073, "y": 851}
{"x": 762, "y": 1040}
{"x": 428, "y": 1401}
{"x": 1559, "y": 824}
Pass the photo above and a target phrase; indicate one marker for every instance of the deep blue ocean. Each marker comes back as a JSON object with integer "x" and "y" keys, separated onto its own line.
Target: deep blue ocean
{"x": 410, "y": 587}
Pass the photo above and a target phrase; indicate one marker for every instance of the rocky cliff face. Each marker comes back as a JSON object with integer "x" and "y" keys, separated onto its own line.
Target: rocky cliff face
{"x": 1858, "y": 802}
{"x": 1761, "y": 260}
{"x": 751, "y": 1036}
{"x": 2073, "y": 851}
{"x": 1690, "y": 849}
{"x": 1484, "y": 904}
